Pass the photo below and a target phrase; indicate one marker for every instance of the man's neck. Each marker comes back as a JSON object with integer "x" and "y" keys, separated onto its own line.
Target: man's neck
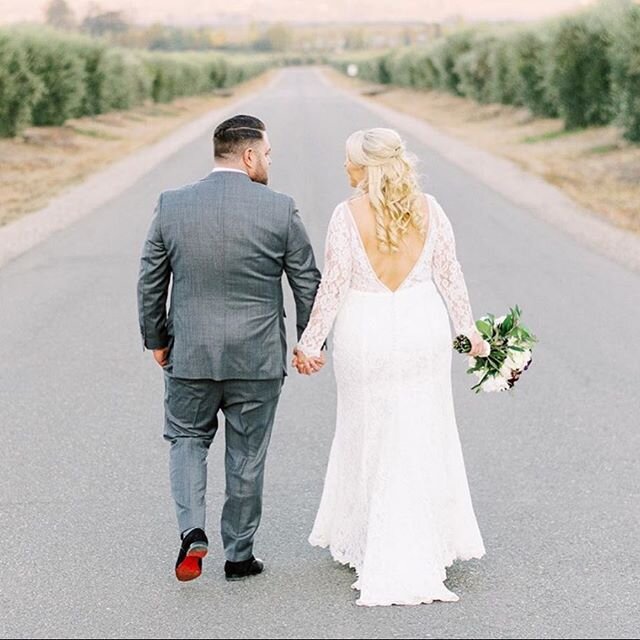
{"x": 219, "y": 166}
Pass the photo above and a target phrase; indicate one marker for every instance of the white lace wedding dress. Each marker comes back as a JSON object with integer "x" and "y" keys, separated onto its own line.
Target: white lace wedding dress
{"x": 396, "y": 504}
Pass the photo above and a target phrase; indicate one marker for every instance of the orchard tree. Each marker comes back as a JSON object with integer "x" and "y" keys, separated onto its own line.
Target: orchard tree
{"x": 60, "y": 15}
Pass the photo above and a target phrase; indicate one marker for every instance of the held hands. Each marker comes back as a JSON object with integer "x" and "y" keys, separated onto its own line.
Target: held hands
{"x": 307, "y": 365}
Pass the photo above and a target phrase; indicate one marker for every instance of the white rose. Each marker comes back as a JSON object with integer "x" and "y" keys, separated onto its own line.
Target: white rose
{"x": 505, "y": 370}
{"x": 510, "y": 363}
{"x": 500, "y": 319}
{"x": 518, "y": 359}
{"x": 494, "y": 383}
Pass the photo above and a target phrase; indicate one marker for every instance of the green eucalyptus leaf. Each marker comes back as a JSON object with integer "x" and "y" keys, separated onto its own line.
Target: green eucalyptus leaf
{"x": 506, "y": 326}
{"x": 483, "y": 327}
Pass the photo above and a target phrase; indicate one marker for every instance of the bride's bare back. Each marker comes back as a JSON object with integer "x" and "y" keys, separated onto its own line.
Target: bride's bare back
{"x": 392, "y": 269}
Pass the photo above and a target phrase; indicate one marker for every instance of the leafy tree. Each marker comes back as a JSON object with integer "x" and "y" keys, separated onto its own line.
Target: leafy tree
{"x": 59, "y": 14}
{"x": 104, "y": 23}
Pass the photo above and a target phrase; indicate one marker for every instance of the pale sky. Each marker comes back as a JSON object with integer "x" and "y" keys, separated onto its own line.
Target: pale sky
{"x": 197, "y": 11}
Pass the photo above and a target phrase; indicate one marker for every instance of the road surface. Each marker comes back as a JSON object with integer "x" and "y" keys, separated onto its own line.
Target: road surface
{"x": 87, "y": 527}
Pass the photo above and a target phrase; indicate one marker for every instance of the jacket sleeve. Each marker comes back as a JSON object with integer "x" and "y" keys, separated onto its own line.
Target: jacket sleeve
{"x": 300, "y": 268}
{"x": 153, "y": 286}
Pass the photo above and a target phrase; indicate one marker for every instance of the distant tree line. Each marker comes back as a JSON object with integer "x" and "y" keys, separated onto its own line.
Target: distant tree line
{"x": 47, "y": 76}
{"x": 584, "y": 68}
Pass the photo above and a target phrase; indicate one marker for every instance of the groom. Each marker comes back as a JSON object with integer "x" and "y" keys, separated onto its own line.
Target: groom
{"x": 223, "y": 244}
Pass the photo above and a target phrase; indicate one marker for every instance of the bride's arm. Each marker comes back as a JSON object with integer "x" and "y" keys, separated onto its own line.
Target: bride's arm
{"x": 448, "y": 276}
{"x": 336, "y": 278}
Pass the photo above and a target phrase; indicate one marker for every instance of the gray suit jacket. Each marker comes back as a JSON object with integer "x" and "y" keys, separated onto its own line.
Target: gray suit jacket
{"x": 223, "y": 243}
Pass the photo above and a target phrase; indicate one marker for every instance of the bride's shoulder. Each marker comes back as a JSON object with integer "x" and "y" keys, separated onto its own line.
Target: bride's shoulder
{"x": 429, "y": 197}
{"x": 341, "y": 209}
{"x": 433, "y": 206}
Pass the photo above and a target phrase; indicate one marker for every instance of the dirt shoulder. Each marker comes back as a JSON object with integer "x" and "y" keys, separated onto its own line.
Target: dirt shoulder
{"x": 41, "y": 163}
{"x": 597, "y": 168}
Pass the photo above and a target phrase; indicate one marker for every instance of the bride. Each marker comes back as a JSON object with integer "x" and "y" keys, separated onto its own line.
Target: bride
{"x": 396, "y": 504}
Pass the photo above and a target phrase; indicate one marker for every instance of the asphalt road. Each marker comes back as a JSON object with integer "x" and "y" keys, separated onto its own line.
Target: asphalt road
{"x": 87, "y": 529}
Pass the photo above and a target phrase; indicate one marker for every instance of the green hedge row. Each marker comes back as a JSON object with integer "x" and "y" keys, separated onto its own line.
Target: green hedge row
{"x": 583, "y": 68}
{"x": 47, "y": 77}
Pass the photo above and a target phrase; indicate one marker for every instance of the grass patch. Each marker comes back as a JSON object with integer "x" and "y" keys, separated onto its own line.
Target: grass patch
{"x": 604, "y": 148}
{"x": 159, "y": 111}
{"x": 550, "y": 135}
{"x": 134, "y": 117}
{"x": 94, "y": 133}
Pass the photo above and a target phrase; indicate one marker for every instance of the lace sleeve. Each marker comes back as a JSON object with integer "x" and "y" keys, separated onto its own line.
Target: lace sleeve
{"x": 336, "y": 278}
{"x": 448, "y": 276}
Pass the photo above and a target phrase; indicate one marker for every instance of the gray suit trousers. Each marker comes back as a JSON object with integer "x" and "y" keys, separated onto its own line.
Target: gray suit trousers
{"x": 191, "y": 422}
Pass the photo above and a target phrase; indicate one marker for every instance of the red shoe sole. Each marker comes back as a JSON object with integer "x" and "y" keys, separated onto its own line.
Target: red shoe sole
{"x": 190, "y": 567}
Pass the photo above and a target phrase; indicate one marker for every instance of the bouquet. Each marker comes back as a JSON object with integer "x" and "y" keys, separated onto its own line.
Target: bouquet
{"x": 509, "y": 355}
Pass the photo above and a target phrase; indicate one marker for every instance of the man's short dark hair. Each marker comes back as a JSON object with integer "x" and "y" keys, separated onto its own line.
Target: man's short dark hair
{"x": 234, "y": 135}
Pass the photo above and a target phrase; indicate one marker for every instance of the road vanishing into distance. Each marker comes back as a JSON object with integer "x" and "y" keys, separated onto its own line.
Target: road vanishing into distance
{"x": 87, "y": 525}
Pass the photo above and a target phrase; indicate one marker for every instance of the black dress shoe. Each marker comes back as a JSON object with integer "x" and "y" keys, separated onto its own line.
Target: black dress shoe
{"x": 194, "y": 547}
{"x": 239, "y": 570}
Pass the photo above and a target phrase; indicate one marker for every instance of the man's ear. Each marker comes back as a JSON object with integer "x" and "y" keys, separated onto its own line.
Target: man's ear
{"x": 248, "y": 157}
